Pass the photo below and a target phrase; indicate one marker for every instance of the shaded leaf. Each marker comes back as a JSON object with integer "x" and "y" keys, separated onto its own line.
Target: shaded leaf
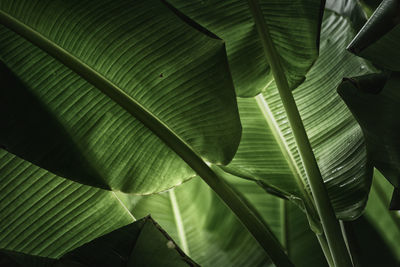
{"x": 375, "y": 102}
{"x": 294, "y": 27}
{"x": 142, "y": 243}
{"x": 288, "y": 222}
{"x": 202, "y": 225}
{"x": 378, "y": 39}
{"x": 173, "y": 78}
{"x": 132, "y": 245}
{"x": 374, "y": 237}
{"x": 42, "y": 214}
{"x": 268, "y": 153}
{"x": 210, "y": 233}
{"x": 15, "y": 259}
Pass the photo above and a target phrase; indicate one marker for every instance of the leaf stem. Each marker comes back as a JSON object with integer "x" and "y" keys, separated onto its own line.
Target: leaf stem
{"x": 325, "y": 249}
{"x": 178, "y": 221}
{"x": 259, "y": 231}
{"x": 328, "y": 219}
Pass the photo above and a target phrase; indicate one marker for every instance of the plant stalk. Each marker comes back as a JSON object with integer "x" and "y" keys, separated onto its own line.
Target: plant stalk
{"x": 326, "y": 213}
{"x": 260, "y": 232}
{"x": 325, "y": 249}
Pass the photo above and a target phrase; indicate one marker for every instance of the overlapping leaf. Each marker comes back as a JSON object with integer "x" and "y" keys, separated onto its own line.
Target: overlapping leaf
{"x": 386, "y": 223}
{"x": 131, "y": 245}
{"x": 375, "y": 102}
{"x": 143, "y": 56}
{"x": 267, "y": 152}
{"x": 373, "y": 238}
{"x": 211, "y": 235}
{"x": 379, "y": 38}
{"x": 42, "y": 214}
{"x": 294, "y": 27}
{"x": 202, "y": 225}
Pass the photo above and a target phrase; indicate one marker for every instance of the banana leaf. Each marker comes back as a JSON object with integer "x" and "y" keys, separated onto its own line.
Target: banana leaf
{"x": 201, "y": 224}
{"x": 268, "y": 154}
{"x": 374, "y": 101}
{"x": 379, "y": 38}
{"x": 46, "y": 215}
{"x": 131, "y": 245}
{"x": 208, "y": 231}
{"x": 123, "y": 84}
{"x": 373, "y": 238}
{"x": 294, "y": 27}
{"x": 386, "y": 222}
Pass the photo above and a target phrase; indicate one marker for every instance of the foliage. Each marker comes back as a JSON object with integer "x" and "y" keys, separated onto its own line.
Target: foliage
{"x": 224, "y": 120}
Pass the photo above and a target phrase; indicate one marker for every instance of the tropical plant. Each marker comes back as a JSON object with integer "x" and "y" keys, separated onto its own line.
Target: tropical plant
{"x": 224, "y": 120}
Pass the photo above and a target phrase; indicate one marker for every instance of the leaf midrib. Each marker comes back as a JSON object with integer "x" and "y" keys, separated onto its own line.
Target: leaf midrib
{"x": 284, "y": 148}
{"x": 133, "y": 107}
{"x": 179, "y": 222}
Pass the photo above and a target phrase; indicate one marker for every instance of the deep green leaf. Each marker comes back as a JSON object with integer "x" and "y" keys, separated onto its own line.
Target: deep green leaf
{"x": 379, "y": 38}
{"x": 142, "y": 243}
{"x": 207, "y": 231}
{"x": 42, "y": 214}
{"x": 287, "y": 221}
{"x": 374, "y": 237}
{"x": 267, "y": 152}
{"x": 201, "y": 225}
{"x": 369, "y": 6}
{"x": 16, "y": 259}
{"x": 294, "y": 27}
{"x": 386, "y": 223}
{"x": 133, "y": 245}
{"x": 173, "y": 78}
{"x": 375, "y": 102}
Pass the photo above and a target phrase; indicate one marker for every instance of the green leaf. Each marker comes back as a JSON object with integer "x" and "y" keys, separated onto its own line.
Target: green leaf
{"x": 142, "y": 243}
{"x": 373, "y": 238}
{"x": 132, "y": 245}
{"x": 15, "y": 259}
{"x": 46, "y": 215}
{"x": 386, "y": 223}
{"x": 267, "y": 152}
{"x": 201, "y": 224}
{"x": 286, "y": 220}
{"x": 294, "y": 27}
{"x": 378, "y": 39}
{"x": 148, "y": 62}
{"x": 369, "y": 6}
{"x": 375, "y": 102}
{"x": 207, "y": 231}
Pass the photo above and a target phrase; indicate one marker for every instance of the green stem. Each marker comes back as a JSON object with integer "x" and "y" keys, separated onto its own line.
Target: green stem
{"x": 326, "y": 213}
{"x": 325, "y": 249}
{"x": 262, "y": 234}
{"x": 284, "y": 222}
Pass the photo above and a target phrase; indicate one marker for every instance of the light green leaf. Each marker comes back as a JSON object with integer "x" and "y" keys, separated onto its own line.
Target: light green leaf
{"x": 42, "y": 214}
{"x": 267, "y": 152}
{"x": 142, "y": 243}
{"x": 132, "y": 245}
{"x": 386, "y": 223}
{"x": 201, "y": 224}
{"x": 173, "y": 79}
{"x": 294, "y": 27}
{"x": 378, "y": 39}
{"x": 373, "y": 238}
{"x": 375, "y": 102}
{"x": 207, "y": 231}
{"x": 287, "y": 222}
